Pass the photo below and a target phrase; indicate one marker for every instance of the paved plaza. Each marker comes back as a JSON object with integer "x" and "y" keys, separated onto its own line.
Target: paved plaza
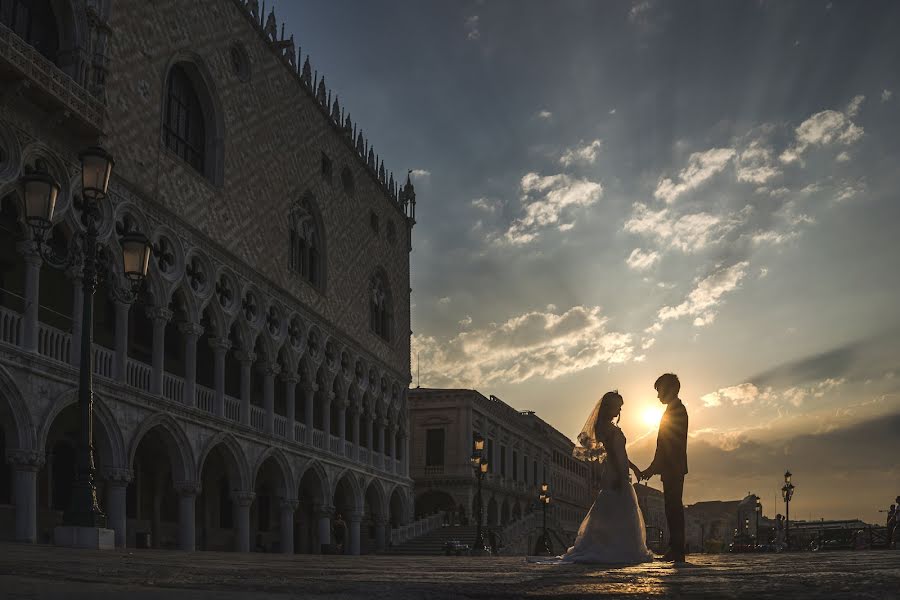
{"x": 48, "y": 572}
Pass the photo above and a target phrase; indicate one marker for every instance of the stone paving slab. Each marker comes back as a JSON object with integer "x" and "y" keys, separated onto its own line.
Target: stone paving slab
{"x": 49, "y": 572}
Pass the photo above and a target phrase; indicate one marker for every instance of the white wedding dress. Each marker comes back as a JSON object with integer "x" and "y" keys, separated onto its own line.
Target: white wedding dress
{"x": 613, "y": 530}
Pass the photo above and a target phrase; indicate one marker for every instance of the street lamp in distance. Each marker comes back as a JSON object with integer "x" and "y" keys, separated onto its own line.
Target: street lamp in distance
{"x": 545, "y": 546}
{"x": 480, "y": 466}
{"x": 787, "y": 492}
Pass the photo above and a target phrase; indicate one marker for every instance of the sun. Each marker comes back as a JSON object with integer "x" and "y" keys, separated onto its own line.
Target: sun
{"x": 652, "y": 415}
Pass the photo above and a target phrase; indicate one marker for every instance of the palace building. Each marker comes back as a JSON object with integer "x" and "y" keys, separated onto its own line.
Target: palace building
{"x": 257, "y": 388}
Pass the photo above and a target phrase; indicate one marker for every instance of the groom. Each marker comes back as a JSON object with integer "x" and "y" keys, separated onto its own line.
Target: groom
{"x": 670, "y": 461}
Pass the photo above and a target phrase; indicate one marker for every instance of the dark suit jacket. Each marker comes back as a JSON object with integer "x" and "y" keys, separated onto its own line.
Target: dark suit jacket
{"x": 671, "y": 443}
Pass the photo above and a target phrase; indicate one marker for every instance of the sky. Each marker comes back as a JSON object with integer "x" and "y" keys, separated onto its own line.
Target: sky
{"x": 612, "y": 190}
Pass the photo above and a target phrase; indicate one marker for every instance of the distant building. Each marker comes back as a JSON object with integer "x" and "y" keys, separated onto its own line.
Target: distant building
{"x": 652, "y": 505}
{"x": 522, "y": 449}
{"x": 711, "y": 525}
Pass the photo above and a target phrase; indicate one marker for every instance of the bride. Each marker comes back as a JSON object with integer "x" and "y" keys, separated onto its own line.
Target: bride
{"x": 613, "y": 530}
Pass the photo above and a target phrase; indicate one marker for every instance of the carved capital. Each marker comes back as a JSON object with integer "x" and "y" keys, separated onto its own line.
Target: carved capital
{"x": 245, "y": 358}
{"x": 324, "y": 510}
{"x": 289, "y": 504}
{"x": 187, "y": 488}
{"x": 25, "y": 460}
{"x": 310, "y": 388}
{"x": 117, "y": 476}
{"x": 289, "y": 377}
{"x": 159, "y": 313}
{"x": 30, "y": 253}
{"x": 243, "y": 498}
{"x": 270, "y": 368}
{"x": 220, "y": 344}
{"x": 194, "y": 329}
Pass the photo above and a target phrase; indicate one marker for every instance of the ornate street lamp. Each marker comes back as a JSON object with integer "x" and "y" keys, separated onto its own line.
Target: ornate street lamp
{"x": 39, "y": 191}
{"x": 787, "y": 492}
{"x": 480, "y": 466}
{"x": 545, "y": 545}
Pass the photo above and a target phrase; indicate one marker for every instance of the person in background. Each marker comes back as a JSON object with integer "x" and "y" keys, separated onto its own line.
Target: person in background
{"x": 892, "y": 524}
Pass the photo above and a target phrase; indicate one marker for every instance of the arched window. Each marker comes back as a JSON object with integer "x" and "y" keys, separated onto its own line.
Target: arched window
{"x": 381, "y": 308}
{"x": 184, "y": 127}
{"x": 306, "y": 252}
{"x": 34, "y": 22}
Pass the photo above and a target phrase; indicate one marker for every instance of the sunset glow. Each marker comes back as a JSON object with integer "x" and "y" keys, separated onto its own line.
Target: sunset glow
{"x": 651, "y": 415}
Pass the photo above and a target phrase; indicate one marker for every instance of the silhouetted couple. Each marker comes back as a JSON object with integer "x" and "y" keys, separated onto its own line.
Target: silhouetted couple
{"x": 613, "y": 531}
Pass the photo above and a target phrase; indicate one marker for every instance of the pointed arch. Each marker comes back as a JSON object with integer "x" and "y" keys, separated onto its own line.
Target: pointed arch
{"x": 314, "y": 469}
{"x": 346, "y": 490}
{"x": 13, "y": 404}
{"x": 289, "y": 486}
{"x": 307, "y": 249}
{"x": 179, "y": 447}
{"x": 236, "y": 460}
{"x": 102, "y": 414}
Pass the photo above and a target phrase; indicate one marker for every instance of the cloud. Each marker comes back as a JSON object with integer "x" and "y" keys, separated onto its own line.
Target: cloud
{"x": 465, "y": 322}
{"x": 536, "y": 344}
{"x": 843, "y": 157}
{"x": 687, "y": 233}
{"x": 701, "y": 166}
{"x": 612, "y": 111}
{"x": 445, "y": 300}
{"x": 825, "y": 128}
{"x": 545, "y": 114}
{"x": 420, "y": 174}
{"x": 585, "y": 154}
{"x": 854, "y": 106}
{"x": 886, "y": 95}
{"x": 749, "y": 393}
{"x": 706, "y": 295}
{"x": 547, "y": 200}
{"x": 638, "y": 10}
{"x": 639, "y": 260}
{"x": 756, "y": 165}
{"x": 736, "y": 395}
{"x": 472, "y": 31}
{"x": 485, "y": 205}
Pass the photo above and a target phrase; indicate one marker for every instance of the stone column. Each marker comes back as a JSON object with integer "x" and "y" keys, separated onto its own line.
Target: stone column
{"x": 354, "y": 534}
{"x": 117, "y": 481}
{"x": 220, "y": 347}
{"x": 370, "y": 433}
{"x": 324, "y": 514}
{"x": 25, "y": 465}
{"x": 270, "y": 370}
{"x": 191, "y": 332}
{"x": 290, "y": 389}
{"x": 241, "y": 502}
{"x": 187, "y": 502}
{"x": 327, "y": 398}
{"x": 120, "y": 356}
{"x": 382, "y": 425}
{"x": 393, "y": 442}
{"x": 342, "y": 422}
{"x": 33, "y": 263}
{"x": 309, "y": 395}
{"x": 247, "y": 359}
{"x": 160, "y": 317}
{"x": 77, "y": 305}
{"x": 288, "y": 507}
{"x": 355, "y": 421}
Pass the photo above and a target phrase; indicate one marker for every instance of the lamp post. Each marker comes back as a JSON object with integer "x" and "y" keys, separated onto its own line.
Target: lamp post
{"x": 787, "y": 492}
{"x": 40, "y": 190}
{"x": 480, "y": 465}
{"x": 546, "y": 545}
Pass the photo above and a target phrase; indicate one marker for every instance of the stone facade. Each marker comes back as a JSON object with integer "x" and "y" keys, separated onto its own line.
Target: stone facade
{"x": 522, "y": 450}
{"x": 275, "y": 400}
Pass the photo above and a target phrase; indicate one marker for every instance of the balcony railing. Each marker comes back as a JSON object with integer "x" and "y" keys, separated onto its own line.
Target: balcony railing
{"x": 173, "y": 387}
{"x": 56, "y": 345}
{"x": 319, "y": 439}
{"x": 137, "y": 374}
{"x": 17, "y": 55}
{"x": 232, "y": 409}
{"x": 257, "y": 417}
{"x": 206, "y": 399}
{"x": 434, "y": 470}
{"x": 10, "y": 322}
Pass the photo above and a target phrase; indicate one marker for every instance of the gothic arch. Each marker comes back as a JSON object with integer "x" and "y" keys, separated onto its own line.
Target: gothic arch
{"x": 381, "y": 305}
{"x": 308, "y": 244}
{"x": 102, "y": 414}
{"x": 289, "y": 486}
{"x": 316, "y": 468}
{"x": 236, "y": 461}
{"x": 24, "y": 434}
{"x": 180, "y": 452}
{"x": 347, "y": 478}
{"x": 204, "y": 87}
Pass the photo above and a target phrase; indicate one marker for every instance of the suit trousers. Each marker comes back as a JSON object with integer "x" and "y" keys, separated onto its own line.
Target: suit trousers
{"x": 673, "y": 490}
